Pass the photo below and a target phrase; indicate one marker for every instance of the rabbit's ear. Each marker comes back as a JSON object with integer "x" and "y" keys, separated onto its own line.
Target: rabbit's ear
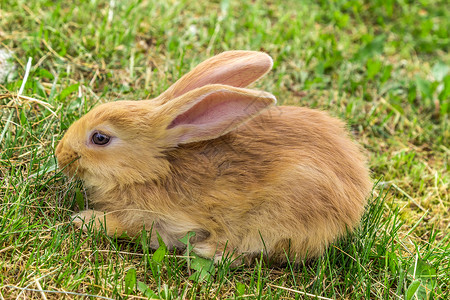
{"x": 211, "y": 111}
{"x": 234, "y": 68}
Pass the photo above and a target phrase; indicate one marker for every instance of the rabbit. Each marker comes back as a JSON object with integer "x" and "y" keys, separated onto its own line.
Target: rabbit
{"x": 213, "y": 157}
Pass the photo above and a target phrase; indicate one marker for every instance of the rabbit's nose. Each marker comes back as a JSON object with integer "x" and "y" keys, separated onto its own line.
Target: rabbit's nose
{"x": 67, "y": 162}
{"x": 64, "y": 154}
{"x": 61, "y": 147}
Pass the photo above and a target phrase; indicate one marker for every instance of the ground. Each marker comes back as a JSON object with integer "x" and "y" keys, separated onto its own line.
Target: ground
{"x": 382, "y": 66}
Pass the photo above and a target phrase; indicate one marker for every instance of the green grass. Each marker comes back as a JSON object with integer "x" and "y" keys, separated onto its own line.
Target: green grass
{"x": 383, "y": 66}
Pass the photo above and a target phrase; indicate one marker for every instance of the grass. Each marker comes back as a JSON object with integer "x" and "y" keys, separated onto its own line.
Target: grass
{"x": 383, "y": 66}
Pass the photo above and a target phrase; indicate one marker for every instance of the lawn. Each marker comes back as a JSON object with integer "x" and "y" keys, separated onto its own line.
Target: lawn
{"x": 383, "y": 66}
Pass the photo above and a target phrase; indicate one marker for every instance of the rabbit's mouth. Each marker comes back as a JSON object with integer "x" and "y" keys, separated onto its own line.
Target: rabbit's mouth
{"x": 69, "y": 165}
{"x": 68, "y": 159}
{"x": 68, "y": 162}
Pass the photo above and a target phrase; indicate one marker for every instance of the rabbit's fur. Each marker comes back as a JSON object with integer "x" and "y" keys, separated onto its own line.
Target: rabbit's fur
{"x": 211, "y": 157}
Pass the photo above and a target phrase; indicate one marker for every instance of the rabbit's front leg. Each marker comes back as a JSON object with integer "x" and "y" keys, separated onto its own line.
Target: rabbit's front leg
{"x": 218, "y": 252}
{"x": 99, "y": 220}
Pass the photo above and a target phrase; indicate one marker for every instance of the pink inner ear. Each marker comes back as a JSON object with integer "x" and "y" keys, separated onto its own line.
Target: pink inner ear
{"x": 216, "y": 113}
{"x": 212, "y": 109}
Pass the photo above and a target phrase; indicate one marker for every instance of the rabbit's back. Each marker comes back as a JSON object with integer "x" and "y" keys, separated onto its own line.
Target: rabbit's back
{"x": 290, "y": 176}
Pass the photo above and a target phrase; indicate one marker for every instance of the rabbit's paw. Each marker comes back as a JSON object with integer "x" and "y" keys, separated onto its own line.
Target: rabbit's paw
{"x": 87, "y": 220}
{"x": 232, "y": 259}
{"x": 84, "y": 219}
{"x": 211, "y": 251}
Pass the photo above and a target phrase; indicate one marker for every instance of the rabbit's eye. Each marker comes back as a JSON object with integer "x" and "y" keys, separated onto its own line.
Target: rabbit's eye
{"x": 100, "y": 139}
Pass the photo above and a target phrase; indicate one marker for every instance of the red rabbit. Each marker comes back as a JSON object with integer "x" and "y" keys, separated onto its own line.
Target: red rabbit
{"x": 215, "y": 158}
